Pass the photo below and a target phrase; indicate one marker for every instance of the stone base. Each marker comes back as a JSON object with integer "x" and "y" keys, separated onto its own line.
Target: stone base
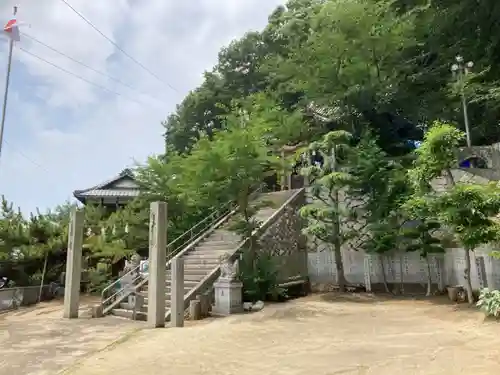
{"x": 228, "y": 297}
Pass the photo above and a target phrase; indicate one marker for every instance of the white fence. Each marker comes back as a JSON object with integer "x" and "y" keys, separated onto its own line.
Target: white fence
{"x": 409, "y": 268}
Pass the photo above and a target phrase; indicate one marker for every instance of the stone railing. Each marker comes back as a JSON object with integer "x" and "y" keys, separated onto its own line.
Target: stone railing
{"x": 297, "y": 197}
{"x": 284, "y": 241}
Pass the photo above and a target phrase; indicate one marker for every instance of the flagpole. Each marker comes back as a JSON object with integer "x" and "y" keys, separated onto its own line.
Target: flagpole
{"x": 6, "y": 90}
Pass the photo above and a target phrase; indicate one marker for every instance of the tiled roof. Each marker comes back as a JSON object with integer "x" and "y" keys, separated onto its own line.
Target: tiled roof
{"x": 111, "y": 193}
{"x": 106, "y": 188}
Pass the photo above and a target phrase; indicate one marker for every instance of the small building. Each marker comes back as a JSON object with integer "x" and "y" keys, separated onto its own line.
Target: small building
{"x": 111, "y": 194}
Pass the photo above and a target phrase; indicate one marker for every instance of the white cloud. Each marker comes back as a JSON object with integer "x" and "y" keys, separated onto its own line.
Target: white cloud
{"x": 73, "y": 135}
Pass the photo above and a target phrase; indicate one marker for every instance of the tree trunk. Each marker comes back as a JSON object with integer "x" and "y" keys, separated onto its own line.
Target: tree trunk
{"x": 401, "y": 277}
{"x": 341, "y": 281}
{"x": 429, "y": 277}
{"x": 384, "y": 276}
{"x": 468, "y": 284}
{"x": 43, "y": 276}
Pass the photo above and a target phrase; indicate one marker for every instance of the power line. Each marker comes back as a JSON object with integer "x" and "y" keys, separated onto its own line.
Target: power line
{"x": 85, "y": 65}
{"x": 78, "y": 76}
{"x": 117, "y": 46}
{"x": 26, "y": 157}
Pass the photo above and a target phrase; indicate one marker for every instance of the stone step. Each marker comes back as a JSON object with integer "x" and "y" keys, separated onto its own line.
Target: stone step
{"x": 211, "y": 256}
{"x": 192, "y": 271}
{"x": 218, "y": 243}
{"x": 188, "y": 284}
{"x": 211, "y": 252}
{"x": 190, "y": 276}
{"x": 168, "y": 290}
{"x": 124, "y": 313}
{"x": 224, "y": 233}
{"x": 125, "y": 306}
{"x": 201, "y": 263}
{"x": 197, "y": 266}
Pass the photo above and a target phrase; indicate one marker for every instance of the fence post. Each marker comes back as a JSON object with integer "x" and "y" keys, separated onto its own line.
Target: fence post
{"x": 157, "y": 264}
{"x": 73, "y": 264}
{"x": 368, "y": 271}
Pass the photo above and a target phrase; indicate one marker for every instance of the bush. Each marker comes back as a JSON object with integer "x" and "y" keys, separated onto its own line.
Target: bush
{"x": 260, "y": 279}
{"x": 489, "y": 302}
{"x": 98, "y": 279}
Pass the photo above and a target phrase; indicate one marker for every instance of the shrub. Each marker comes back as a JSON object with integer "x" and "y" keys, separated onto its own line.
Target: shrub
{"x": 260, "y": 279}
{"x": 489, "y": 302}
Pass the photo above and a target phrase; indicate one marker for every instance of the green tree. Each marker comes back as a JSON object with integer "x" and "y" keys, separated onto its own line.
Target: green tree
{"x": 379, "y": 187}
{"x": 469, "y": 212}
{"x": 13, "y": 230}
{"x": 421, "y": 236}
{"x": 465, "y": 210}
{"x": 329, "y": 181}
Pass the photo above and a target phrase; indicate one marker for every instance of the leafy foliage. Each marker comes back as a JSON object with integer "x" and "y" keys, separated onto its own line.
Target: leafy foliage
{"x": 489, "y": 302}
{"x": 354, "y": 82}
{"x": 328, "y": 180}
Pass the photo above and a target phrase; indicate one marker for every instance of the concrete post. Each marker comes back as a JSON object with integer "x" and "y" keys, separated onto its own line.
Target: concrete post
{"x": 177, "y": 293}
{"x": 73, "y": 264}
{"x": 157, "y": 264}
{"x": 367, "y": 263}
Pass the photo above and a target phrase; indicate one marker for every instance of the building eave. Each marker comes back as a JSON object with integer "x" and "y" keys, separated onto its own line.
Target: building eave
{"x": 100, "y": 191}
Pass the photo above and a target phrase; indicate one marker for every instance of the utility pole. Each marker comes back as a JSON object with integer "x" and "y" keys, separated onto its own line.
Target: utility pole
{"x": 6, "y": 90}
{"x": 460, "y": 70}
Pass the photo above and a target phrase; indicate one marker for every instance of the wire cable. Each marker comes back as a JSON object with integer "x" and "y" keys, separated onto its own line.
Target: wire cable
{"x": 87, "y": 66}
{"x": 117, "y": 46}
{"x": 16, "y": 150}
{"x": 78, "y": 76}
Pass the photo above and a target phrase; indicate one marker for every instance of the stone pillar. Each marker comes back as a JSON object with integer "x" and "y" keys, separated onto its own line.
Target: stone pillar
{"x": 480, "y": 269}
{"x": 157, "y": 264}
{"x": 367, "y": 272}
{"x": 228, "y": 289}
{"x": 228, "y": 297}
{"x": 177, "y": 293}
{"x": 438, "y": 263}
{"x": 73, "y": 264}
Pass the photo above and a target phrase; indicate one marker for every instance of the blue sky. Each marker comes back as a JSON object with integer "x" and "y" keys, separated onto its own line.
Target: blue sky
{"x": 63, "y": 134}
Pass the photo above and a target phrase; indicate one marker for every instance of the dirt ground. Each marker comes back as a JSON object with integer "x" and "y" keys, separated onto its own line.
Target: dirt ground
{"x": 37, "y": 341}
{"x": 320, "y": 335}
{"x": 317, "y": 335}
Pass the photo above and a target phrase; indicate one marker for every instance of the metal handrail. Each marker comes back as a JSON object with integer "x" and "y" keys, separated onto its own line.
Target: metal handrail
{"x": 135, "y": 270}
{"x": 216, "y": 215}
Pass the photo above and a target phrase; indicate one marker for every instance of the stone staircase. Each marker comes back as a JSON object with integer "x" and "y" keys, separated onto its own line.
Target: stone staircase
{"x": 201, "y": 260}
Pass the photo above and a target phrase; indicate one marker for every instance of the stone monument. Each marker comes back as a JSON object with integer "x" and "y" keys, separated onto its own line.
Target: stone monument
{"x": 228, "y": 289}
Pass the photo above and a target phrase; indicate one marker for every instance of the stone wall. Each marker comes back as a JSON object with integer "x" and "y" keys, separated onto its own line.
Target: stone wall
{"x": 286, "y": 243}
